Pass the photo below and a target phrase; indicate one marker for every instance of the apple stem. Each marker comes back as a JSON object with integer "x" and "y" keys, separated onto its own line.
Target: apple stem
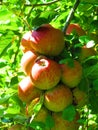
{"x": 70, "y": 16}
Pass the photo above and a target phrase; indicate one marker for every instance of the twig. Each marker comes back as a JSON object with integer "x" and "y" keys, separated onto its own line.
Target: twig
{"x": 44, "y": 4}
{"x": 70, "y": 16}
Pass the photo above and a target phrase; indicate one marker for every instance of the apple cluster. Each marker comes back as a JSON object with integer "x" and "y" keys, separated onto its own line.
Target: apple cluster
{"x": 46, "y": 76}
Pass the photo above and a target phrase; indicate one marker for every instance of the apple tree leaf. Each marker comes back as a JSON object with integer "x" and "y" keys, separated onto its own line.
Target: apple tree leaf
{"x": 69, "y": 113}
{"x": 49, "y": 121}
{"x": 95, "y": 84}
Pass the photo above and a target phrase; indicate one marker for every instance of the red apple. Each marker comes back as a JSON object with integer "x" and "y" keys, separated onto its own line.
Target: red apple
{"x": 61, "y": 124}
{"x": 58, "y": 98}
{"x": 47, "y": 40}
{"x": 86, "y": 52}
{"x": 71, "y": 74}
{"x": 80, "y": 97}
{"x": 27, "y": 61}
{"x": 45, "y": 73}
{"x": 75, "y": 27}
{"x": 27, "y": 91}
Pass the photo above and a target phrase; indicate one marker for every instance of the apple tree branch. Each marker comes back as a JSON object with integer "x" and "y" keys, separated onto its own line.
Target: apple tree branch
{"x": 70, "y": 16}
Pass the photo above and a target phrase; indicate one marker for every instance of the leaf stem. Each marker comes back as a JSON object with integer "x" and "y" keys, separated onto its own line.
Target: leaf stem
{"x": 70, "y": 16}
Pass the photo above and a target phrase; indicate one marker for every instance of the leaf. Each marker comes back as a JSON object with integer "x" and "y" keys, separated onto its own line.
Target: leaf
{"x": 90, "y": 1}
{"x": 69, "y": 113}
{"x": 4, "y": 99}
{"x": 95, "y": 84}
{"x": 91, "y": 72}
{"x": 49, "y": 121}
{"x": 84, "y": 39}
{"x": 35, "y": 106}
{"x": 3, "y": 63}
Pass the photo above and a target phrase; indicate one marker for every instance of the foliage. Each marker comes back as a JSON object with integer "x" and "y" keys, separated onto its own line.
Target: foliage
{"x": 19, "y": 16}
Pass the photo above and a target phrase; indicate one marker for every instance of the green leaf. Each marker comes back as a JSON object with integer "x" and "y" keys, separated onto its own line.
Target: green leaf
{"x": 49, "y": 122}
{"x": 84, "y": 39}
{"x": 3, "y": 63}
{"x": 95, "y": 84}
{"x": 35, "y": 106}
{"x": 69, "y": 113}
{"x": 91, "y": 72}
{"x": 4, "y": 99}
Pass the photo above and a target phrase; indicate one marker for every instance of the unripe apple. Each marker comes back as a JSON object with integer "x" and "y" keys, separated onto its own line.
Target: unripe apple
{"x": 42, "y": 115}
{"x": 27, "y": 91}
{"x": 71, "y": 74}
{"x": 80, "y": 97}
{"x": 58, "y": 98}
{"x": 27, "y": 61}
{"x": 86, "y": 52}
{"x": 61, "y": 124}
{"x": 17, "y": 127}
{"x": 45, "y": 73}
{"x": 75, "y": 27}
{"x": 47, "y": 40}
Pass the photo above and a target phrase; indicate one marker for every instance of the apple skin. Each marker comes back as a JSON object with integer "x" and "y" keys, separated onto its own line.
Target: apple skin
{"x": 27, "y": 91}
{"x": 80, "y": 97}
{"x": 25, "y": 43}
{"x": 45, "y": 73}
{"x": 58, "y": 98}
{"x": 47, "y": 40}
{"x": 71, "y": 75}
{"x": 75, "y": 27}
{"x": 27, "y": 61}
{"x": 42, "y": 115}
{"x": 61, "y": 124}
{"x": 86, "y": 52}
{"x": 17, "y": 127}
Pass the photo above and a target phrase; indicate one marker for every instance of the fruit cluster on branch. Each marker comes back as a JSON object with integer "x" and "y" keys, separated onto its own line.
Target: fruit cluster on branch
{"x": 58, "y": 83}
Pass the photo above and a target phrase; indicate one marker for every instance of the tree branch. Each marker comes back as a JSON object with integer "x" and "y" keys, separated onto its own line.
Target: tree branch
{"x": 44, "y": 4}
{"x": 70, "y": 16}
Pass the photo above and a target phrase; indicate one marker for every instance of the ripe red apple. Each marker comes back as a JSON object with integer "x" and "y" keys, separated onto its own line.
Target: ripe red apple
{"x": 71, "y": 74}
{"x": 61, "y": 124}
{"x": 80, "y": 97}
{"x": 27, "y": 91}
{"x": 45, "y": 73}
{"x": 75, "y": 27}
{"x": 86, "y": 52}
{"x": 57, "y": 98}
{"x": 47, "y": 40}
{"x": 27, "y": 61}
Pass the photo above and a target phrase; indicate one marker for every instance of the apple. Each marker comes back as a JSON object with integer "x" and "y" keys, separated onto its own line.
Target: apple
{"x": 75, "y": 27}
{"x": 86, "y": 52}
{"x": 47, "y": 40}
{"x": 42, "y": 115}
{"x": 27, "y": 61}
{"x": 71, "y": 74}
{"x": 17, "y": 127}
{"x": 58, "y": 98}
{"x": 25, "y": 43}
{"x": 61, "y": 124}
{"x": 45, "y": 73}
{"x": 27, "y": 91}
{"x": 80, "y": 97}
